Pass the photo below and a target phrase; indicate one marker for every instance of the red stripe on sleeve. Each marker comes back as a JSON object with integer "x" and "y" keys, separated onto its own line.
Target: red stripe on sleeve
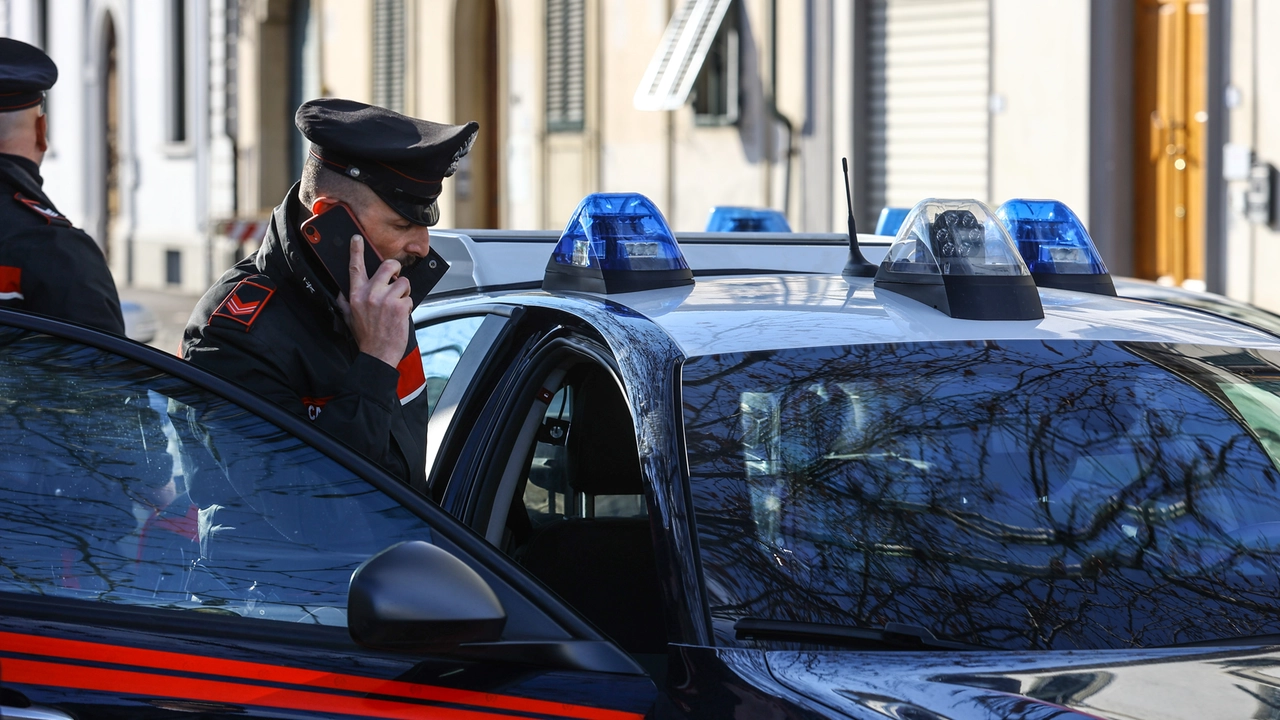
{"x": 10, "y": 279}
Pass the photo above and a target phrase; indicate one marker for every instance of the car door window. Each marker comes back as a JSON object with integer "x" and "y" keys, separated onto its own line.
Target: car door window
{"x": 121, "y": 484}
{"x": 442, "y": 345}
{"x": 579, "y": 521}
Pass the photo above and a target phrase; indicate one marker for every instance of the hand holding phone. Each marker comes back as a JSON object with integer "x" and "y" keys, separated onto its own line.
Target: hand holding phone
{"x": 376, "y": 302}
{"x": 329, "y": 234}
{"x": 378, "y": 309}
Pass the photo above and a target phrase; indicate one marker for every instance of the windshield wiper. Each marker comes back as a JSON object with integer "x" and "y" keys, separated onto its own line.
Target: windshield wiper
{"x": 895, "y": 636}
{"x": 1231, "y": 641}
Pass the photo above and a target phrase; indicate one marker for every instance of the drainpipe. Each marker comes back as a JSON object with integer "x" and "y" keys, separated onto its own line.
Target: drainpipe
{"x": 198, "y": 104}
{"x": 773, "y": 106}
{"x": 126, "y": 92}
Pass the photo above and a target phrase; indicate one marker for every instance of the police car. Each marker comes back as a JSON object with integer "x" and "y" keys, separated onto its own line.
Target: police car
{"x": 671, "y": 479}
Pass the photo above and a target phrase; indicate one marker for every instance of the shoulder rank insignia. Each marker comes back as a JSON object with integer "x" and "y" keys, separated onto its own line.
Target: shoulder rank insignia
{"x": 245, "y": 301}
{"x": 51, "y": 216}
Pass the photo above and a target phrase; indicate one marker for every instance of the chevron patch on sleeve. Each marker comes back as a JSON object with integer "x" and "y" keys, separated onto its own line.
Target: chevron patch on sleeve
{"x": 245, "y": 302}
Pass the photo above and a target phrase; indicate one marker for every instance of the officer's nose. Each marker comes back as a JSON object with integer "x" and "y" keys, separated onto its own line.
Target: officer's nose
{"x": 419, "y": 241}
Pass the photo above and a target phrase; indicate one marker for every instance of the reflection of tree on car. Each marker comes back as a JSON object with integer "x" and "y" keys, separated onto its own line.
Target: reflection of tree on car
{"x": 1015, "y": 494}
{"x": 136, "y": 491}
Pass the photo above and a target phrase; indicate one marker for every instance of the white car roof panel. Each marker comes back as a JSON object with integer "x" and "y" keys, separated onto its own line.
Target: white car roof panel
{"x": 730, "y": 309}
{"x": 743, "y": 313}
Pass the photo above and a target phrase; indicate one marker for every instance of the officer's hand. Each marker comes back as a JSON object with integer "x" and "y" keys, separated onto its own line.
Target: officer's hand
{"x": 379, "y": 307}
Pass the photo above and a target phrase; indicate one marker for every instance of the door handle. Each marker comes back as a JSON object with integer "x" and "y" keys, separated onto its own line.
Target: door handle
{"x": 1157, "y": 136}
{"x": 34, "y": 712}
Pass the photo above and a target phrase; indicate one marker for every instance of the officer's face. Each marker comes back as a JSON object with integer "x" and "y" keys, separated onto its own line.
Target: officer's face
{"x": 391, "y": 235}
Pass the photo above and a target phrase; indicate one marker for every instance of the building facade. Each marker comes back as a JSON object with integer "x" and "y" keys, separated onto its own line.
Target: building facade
{"x": 1153, "y": 119}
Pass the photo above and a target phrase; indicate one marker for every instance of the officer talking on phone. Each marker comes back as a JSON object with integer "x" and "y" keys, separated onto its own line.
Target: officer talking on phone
{"x": 335, "y": 344}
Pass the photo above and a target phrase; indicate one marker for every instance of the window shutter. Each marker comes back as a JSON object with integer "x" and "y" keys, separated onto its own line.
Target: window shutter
{"x": 675, "y": 65}
{"x": 566, "y": 65}
{"x": 388, "y": 54}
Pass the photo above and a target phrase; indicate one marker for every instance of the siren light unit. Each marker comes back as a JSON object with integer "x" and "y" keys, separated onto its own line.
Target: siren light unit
{"x": 1055, "y": 246}
{"x": 725, "y": 218}
{"x": 890, "y": 220}
{"x": 616, "y": 243}
{"x": 955, "y": 256}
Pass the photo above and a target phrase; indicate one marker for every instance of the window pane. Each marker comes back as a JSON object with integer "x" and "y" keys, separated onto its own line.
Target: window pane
{"x": 1019, "y": 494}
{"x": 442, "y": 346}
{"x": 123, "y": 485}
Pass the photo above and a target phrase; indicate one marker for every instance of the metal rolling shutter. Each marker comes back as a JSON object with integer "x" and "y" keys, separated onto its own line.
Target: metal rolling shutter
{"x": 388, "y": 54}
{"x": 928, "y": 90}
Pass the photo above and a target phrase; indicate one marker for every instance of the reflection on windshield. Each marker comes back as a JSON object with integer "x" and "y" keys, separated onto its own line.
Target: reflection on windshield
{"x": 1019, "y": 494}
{"x": 119, "y": 484}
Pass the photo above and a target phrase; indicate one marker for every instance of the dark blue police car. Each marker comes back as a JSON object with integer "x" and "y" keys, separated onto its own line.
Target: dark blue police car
{"x": 671, "y": 480}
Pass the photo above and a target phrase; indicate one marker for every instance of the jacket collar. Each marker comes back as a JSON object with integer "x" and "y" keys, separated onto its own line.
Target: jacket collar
{"x": 284, "y": 255}
{"x": 26, "y": 174}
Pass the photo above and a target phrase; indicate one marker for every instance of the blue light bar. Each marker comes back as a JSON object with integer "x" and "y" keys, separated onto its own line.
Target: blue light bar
{"x": 725, "y": 218}
{"x": 890, "y": 220}
{"x": 1055, "y": 245}
{"x": 615, "y": 243}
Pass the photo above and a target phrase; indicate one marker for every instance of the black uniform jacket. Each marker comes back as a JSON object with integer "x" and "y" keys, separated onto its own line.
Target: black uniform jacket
{"x": 47, "y": 266}
{"x": 272, "y": 324}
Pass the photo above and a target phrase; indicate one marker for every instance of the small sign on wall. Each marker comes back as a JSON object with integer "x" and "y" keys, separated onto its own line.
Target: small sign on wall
{"x": 1259, "y": 198}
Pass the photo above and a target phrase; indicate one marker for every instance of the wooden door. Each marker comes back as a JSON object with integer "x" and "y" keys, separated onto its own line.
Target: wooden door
{"x": 1171, "y": 101}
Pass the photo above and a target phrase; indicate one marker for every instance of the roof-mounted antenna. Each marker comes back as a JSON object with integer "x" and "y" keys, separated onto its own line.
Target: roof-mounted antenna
{"x": 857, "y": 266}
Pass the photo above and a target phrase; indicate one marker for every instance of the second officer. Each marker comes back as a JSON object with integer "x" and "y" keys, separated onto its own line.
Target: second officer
{"x": 46, "y": 265}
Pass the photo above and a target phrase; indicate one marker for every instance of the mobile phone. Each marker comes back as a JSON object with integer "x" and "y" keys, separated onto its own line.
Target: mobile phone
{"x": 329, "y": 236}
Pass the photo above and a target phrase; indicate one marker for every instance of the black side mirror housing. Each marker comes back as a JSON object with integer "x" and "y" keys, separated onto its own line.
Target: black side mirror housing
{"x": 416, "y": 597}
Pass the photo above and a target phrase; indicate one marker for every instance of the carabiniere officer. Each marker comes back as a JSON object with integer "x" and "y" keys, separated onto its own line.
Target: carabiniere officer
{"x": 277, "y": 323}
{"x": 46, "y": 265}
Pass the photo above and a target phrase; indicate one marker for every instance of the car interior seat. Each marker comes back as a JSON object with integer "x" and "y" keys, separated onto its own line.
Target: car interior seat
{"x": 604, "y": 567}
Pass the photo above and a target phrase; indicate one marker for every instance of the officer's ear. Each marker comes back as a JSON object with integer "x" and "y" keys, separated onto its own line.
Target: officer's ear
{"x": 323, "y": 203}
{"x": 42, "y": 133}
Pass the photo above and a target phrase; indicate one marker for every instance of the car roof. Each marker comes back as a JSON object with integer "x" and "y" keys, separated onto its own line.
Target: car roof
{"x": 732, "y": 309}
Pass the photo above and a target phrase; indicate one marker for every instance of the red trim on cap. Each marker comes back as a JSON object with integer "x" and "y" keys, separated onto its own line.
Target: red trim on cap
{"x": 323, "y": 159}
{"x": 429, "y": 181}
{"x": 33, "y": 103}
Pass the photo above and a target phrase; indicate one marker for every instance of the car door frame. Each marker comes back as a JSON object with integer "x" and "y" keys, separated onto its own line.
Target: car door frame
{"x": 648, "y": 363}
{"x": 461, "y": 389}
{"x": 585, "y": 649}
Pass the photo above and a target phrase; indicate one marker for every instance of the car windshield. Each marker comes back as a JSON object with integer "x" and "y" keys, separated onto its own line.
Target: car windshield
{"x": 1012, "y": 494}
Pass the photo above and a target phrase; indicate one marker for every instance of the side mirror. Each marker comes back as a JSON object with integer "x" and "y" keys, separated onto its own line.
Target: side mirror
{"x": 416, "y": 597}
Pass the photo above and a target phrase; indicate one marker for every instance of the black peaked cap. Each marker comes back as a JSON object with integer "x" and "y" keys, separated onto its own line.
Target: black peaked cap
{"x": 25, "y": 73}
{"x": 403, "y": 159}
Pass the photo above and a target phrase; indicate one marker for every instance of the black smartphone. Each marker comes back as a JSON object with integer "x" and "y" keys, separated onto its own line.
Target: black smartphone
{"x": 329, "y": 235}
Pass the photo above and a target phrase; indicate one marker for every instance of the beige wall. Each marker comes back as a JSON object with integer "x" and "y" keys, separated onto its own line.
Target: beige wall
{"x": 431, "y": 76}
{"x": 1040, "y": 75}
{"x": 346, "y": 29}
{"x": 1253, "y": 251}
{"x": 522, "y": 104}
{"x": 633, "y": 144}
{"x": 1241, "y": 236}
